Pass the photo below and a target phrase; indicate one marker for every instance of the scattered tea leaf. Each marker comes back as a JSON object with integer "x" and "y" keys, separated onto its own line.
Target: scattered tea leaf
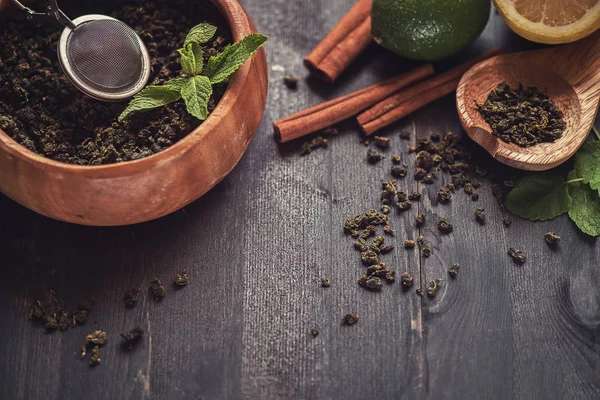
{"x": 132, "y": 337}
{"x": 350, "y": 319}
{"x": 517, "y": 255}
{"x": 382, "y": 142}
{"x": 444, "y": 226}
{"x": 291, "y": 81}
{"x": 433, "y": 287}
{"x": 312, "y": 144}
{"x": 181, "y": 279}
{"x": 552, "y": 238}
{"x": 95, "y": 358}
{"x": 453, "y": 271}
{"x": 406, "y": 280}
{"x": 480, "y": 215}
{"x": 132, "y": 296}
{"x": 374, "y": 156}
{"x": 157, "y": 289}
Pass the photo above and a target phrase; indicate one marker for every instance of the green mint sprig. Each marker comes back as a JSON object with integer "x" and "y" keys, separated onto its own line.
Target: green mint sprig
{"x": 196, "y": 87}
{"x": 547, "y": 195}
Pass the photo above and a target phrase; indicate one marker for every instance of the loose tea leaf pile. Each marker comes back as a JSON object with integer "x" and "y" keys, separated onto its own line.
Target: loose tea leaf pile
{"x": 521, "y": 116}
{"x": 364, "y": 227}
{"x": 44, "y": 112}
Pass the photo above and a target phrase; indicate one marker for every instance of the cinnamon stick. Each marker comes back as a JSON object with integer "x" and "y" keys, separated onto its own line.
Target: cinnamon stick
{"x": 404, "y": 108}
{"x": 326, "y": 114}
{"x": 343, "y": 44}
{"x": 407, "y": 101}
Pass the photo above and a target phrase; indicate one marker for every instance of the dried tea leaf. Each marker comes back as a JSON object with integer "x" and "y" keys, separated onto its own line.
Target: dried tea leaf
{"x": 406, "y": 280}
{"x": 517, "y": 255}
{"x": 95, "y": 358}
{"x": 131, "y": 298}
{"x": 552, "y": 238}
{"x": 157, "y": 289}
{"x": 453, "y": 271}
{"x": 96, "y": 337}
{"x": 181, "y": 279}
{"x": 132, "y": 337}
{"x": 480, "y": 215}
{"x": 350, "y": 319}
{"x": 291, "y": 81}
{"x": 433, "y": 287}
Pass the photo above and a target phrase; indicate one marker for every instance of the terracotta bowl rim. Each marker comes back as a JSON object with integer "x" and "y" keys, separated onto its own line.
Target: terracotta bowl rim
{"x": 231, "y": 10}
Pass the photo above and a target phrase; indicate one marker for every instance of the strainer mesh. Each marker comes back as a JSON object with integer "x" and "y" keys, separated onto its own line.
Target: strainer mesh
{"x": 106, "y": 55}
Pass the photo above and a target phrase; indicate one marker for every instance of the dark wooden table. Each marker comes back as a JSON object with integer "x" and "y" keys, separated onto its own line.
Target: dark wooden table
{"x": 256, "y": 247}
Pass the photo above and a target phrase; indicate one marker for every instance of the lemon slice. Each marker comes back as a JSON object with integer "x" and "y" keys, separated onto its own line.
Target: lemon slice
{"x": 551, "y": 21}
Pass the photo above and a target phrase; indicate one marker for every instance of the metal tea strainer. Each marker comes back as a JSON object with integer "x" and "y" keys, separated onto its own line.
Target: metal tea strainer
{"x": 102, "y": 56}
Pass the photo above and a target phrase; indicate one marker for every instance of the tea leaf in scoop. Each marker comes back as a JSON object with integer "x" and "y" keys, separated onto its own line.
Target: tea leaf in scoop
{"x": 222, "y": 66}
{"x": 196, "y": 93}
{"x": 151, "y": 97}
{"x": 192, "y": 59}
{"x": 585, "y": 211}
{"x": 587, "y": 164}
{"x": 200, "y": 34}
{"x": 539, "y": 197}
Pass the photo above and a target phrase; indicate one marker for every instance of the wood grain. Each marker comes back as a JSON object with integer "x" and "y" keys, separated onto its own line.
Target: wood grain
{"x": 256, "y": 246}
{"x": 569, "y": 74}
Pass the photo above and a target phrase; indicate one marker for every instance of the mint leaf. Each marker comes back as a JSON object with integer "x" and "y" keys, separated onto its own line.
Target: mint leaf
{"x": 200, "y": 34}
{"x": 192, "y": 59}
{"x": 151, "y": 97}
{"x": 175, "y": 84}
{"x": 585, "y": 211}
{"x": 222, "y": 66}
{"x": 587, "y": 164}
{"x": 196, "y": 92}
{"x": 539, "y": 197}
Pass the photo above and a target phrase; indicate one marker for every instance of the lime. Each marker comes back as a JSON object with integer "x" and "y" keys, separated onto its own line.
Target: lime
{"x": 428, "y": 29}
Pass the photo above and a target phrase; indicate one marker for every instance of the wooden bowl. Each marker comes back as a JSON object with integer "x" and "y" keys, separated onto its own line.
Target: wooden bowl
{"x": 142, "y": 190}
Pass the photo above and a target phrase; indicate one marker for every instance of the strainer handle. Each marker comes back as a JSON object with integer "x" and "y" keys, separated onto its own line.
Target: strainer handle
{"x": 53, "y": 11}
{"x": 60, "y": 16}
{"x": 28, "y": 10}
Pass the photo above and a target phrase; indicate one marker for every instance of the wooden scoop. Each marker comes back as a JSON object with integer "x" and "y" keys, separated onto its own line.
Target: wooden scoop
{"x": 568, "y": 74}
